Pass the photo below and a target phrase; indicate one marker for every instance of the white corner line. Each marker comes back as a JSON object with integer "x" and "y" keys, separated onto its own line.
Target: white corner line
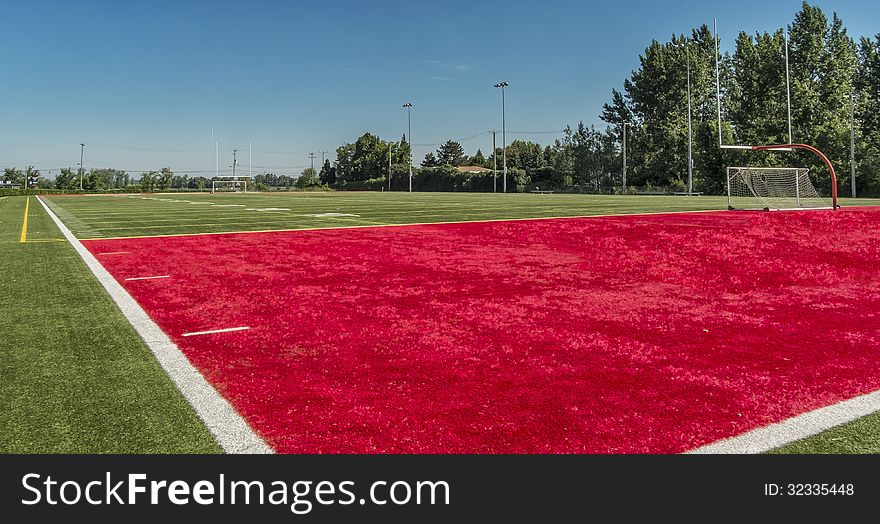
{"x": 795, "y": 428}
{"x": 148, "y": 278}
{"x": 231, "y": 431}
{"x": 212, "y": 331}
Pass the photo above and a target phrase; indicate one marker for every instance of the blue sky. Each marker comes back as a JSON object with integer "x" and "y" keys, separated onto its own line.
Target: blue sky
{"x": 143, "y": 83}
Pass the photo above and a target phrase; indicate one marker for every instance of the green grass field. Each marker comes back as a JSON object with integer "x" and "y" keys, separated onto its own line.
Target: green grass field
{"x": 75, "y": 377}
{"x": 187, "y": 213}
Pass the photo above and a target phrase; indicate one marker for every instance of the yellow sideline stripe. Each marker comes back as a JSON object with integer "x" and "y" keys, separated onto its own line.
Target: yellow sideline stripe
{"x": 24, "y": 224}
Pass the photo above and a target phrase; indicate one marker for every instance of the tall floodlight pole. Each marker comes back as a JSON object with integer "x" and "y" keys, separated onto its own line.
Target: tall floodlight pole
{"x": 852, "y": 142}
{"x": 788, "y": 88}
{"x": 408, "y": 107}
{"x": 687, "y": 47}
{"x": 494, "y": 164}
{"x": 390, "y": 148}
{"x": 623, "y": 148}
{"x": 717, "y": 80}
{"x": 82, "y": 149}
{"x": 502, "y": 85}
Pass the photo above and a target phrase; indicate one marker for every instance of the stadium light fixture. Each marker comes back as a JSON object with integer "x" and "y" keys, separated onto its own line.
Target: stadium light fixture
{"x": 408, "y": 107}
{"x": 502, "y": 85}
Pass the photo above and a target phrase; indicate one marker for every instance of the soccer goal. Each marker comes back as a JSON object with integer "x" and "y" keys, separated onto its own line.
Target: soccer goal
{"x": 230, "y": 185}
{"x": 772, "y": 188}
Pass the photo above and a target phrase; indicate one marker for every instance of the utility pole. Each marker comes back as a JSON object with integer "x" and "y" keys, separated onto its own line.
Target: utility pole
{"x": 852, "y": 142}
{"x": 312, "y": 159}
{"x": 788, "y": 88}
{"x": 623, "y": 144}
{"x": 322, "y": 157}
{"x": 687, "y": 47}
{"x": 82, "y": 148}
{"x": 494, "y": 165}
{"x": 408, "y": 107}
{"x": 502, "y": 85}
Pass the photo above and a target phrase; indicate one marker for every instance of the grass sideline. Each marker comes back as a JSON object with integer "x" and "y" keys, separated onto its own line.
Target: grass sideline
{"x": 74, "y": 375}
{"x": 67, "y": 385}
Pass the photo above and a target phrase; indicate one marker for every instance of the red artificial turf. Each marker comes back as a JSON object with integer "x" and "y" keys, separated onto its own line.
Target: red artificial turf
{"x": 621, "y": 334}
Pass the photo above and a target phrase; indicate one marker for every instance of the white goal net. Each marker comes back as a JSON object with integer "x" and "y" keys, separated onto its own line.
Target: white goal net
{"x": 772, "y": 188}
{"x": 229, "y": 185}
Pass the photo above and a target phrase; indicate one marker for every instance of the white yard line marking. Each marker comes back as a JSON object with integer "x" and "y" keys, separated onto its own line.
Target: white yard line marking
{"x": 212, "y": 331}
{"x": 114, "y": 253}
{"x": 148, "y": 278}
{"x": 231, "y": 431}
{"x": 795, "y": 428}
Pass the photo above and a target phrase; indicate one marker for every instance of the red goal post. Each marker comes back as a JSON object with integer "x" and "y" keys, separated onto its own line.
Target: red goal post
{"x": 790, "y": 147}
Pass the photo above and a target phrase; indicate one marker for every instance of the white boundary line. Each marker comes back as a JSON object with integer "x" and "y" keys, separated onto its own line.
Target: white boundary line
{"x": 795, "y": 428}
{"x": 212, "y": 331}
{"x": 231, "y": 431}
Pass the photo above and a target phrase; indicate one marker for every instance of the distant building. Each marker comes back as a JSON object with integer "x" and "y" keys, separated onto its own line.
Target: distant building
{"x": 9, "y": 185}
{"x": 473, "y": 169}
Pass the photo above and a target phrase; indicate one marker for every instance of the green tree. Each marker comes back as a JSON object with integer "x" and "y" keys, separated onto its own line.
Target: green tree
{"x": 164, "y": 178}
{"x": 451, "y": 154}
{"x": 327, "y": 176}
{"x": 430, "y": 160}
{"x": 14, "y": 176}
{"x": 308, "y": 178}
{"x": 478, "y": 159}
{"x": 148, "y": 181}
{"x": 67, "y": 179}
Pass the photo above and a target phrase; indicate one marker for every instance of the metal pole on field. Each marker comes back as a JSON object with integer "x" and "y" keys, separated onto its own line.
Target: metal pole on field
{"x": 494, "y": 164}
{"x": 390, "y": 148}
{"x": 788, "y": 89}
{"x": 502, "y": 85}
{"x": 718, "y": 80}
{"x": 408, "y": 107}
{"x": 82, "y": 148}
{"x": 687, "y": 47}
{"x": 624, "y": 156}
{"x": 852, "y": 142}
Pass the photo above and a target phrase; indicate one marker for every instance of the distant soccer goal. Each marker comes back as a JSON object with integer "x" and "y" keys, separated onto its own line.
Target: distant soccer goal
{"x": 772, "y": 188}
{"x": 229, "y": 185}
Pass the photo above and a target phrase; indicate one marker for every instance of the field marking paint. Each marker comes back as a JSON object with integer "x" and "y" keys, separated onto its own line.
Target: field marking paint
{"x": 212, "y": 331}
{"x": 228, "y": 427}
{"x": 149, "y": 278}
{"x": 364, "y": 226}
{"x": 792, "y": 429}
{"x": 23, "y": 238}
